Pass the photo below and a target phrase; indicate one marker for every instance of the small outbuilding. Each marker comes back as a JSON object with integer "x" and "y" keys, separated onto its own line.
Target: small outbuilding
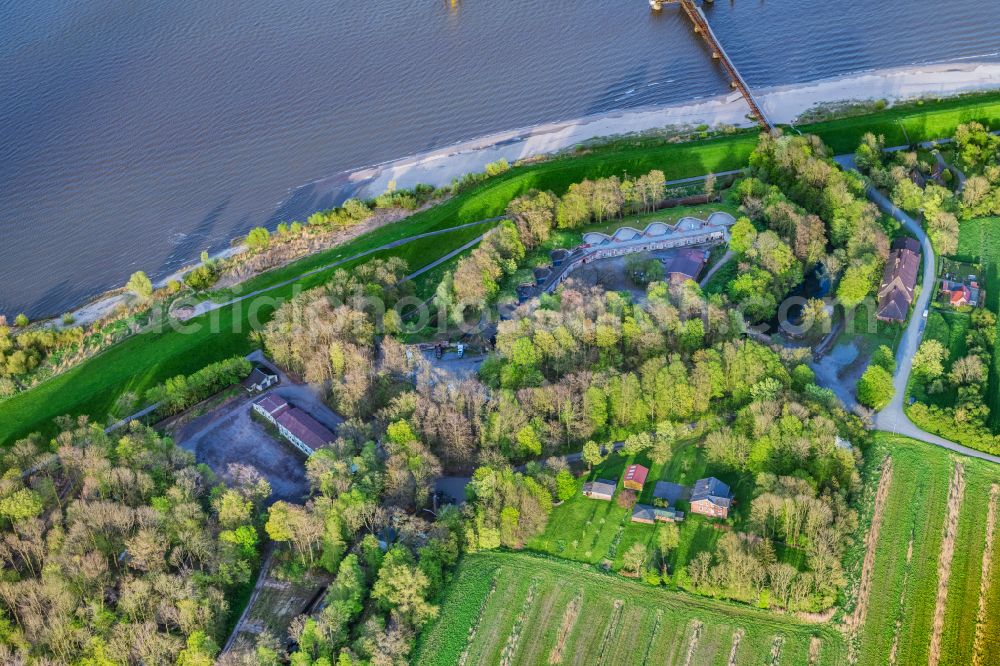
{"x": 644, "y": 513}
{"x": 635, "y": 477}
{"x": 602, "y": 489}
{"x": 259, "y": 380}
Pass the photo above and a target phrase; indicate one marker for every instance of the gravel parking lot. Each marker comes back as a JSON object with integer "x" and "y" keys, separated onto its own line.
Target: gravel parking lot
{"x": 228, "y": 434}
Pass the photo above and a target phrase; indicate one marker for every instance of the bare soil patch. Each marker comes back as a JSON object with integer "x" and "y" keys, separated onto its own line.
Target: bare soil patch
{"x": 565, "y": 629}
{"x": 696, "y": 629}
{"x": 815, "y": 645}
{"x": 978, "y": 658}
{"x": 955, "y": 494}
{"x": 735, "y": 649}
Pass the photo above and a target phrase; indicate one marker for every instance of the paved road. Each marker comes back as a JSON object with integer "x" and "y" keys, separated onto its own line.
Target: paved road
{"x": 893, "y": 417}
{"x": 715, "y": 269}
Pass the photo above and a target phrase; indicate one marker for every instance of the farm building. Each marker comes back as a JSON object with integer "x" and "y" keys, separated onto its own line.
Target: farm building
{"x": 258, "y": 380}
{"x": 643, "y": 513}
{"x": 899, "y": 280}
{"x": 302, "y": 430}
{"x": 711, "y": 497}
{"x": 635, "y": 477}
{"x": 602, "y": 489}
{"x": 271, "y": 406}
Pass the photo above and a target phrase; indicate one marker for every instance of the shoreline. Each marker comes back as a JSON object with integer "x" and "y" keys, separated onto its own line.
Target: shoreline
{"x": 784, "y": 104}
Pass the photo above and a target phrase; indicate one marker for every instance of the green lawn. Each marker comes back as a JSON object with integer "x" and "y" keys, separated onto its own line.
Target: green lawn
{"x": 521, "y": 609}
{"x": 948, "y": 327}
{"x": 909, "y": 123}
{"x": 600, "y": 532}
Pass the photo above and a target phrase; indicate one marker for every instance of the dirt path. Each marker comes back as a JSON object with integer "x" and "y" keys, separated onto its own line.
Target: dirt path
{"x": 265, "y": 567}
{"x": 902, "y": 605}
{"x": 565, "y": 629}
{"x": 857, "y": 619}
{"x": 692, "y": 645}
{"x": 955, "y": 494}
{"x": 735, "y": 649}
{"x": 978, "y": 658}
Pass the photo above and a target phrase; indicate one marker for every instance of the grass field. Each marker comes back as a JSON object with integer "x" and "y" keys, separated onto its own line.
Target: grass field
{"x": 935, "y": 588}
{"x": 907, "y": 566}
{"x": 981, "y": 239}
{"x": 600, "y": 532}
{"x": 520, "y": 609}
{"x": 909, "y": 123}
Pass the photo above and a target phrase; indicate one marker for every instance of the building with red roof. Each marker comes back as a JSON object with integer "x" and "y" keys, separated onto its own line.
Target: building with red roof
{"x": 635, "y": 477}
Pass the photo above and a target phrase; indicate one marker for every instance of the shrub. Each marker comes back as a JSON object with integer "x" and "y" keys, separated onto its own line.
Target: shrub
{"x": 180, "y": 392}
{"x": 875, "y": 388}
{"x": 140, "y": 285}
{"x": 258, "y": 239}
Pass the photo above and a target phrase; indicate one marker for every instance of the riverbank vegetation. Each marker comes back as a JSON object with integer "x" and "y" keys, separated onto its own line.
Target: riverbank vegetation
{"x": 489, "y": 198}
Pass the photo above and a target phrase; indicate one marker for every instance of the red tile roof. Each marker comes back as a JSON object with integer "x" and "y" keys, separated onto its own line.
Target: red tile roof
{"x": 636, "y": 473}
{"x": 272, "y": 404}
{"x": 960, "y": 295}
{"x": 310, "y": 431}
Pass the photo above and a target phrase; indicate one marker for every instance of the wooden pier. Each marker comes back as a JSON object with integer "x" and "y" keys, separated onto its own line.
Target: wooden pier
{"x": 736, "y": 80}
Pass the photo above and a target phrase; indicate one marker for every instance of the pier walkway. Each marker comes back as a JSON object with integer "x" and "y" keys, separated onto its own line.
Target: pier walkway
{"x": 702, "y": 27}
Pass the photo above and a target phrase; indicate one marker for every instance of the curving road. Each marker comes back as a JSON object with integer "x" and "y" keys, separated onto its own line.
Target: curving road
{"x": 893, "y": 417}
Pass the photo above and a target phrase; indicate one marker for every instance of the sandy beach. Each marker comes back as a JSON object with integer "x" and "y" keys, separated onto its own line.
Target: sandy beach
{"x": 783, "y": 104}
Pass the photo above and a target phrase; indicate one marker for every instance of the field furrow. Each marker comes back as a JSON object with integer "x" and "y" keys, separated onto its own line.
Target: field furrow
{"x": 955, "y": 494}
{"x": 965, "y": 587}
{"x": 979, "y": 656}
{"x": 856, "y": 620}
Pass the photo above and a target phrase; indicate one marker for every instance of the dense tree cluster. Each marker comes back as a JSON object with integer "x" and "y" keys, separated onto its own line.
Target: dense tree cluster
{"x": 965, "y": 378}
{"x": 327, "y": 335}
{"x": 389, "y": 563}
{"x": 531, "y": 219}
{"x": 118, "y": 549}
{"x": 794, "y": 185}
{"x": 182, "y": 391}
{"x": 901, "y": 174}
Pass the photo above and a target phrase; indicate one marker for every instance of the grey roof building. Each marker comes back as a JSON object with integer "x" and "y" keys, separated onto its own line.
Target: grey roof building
{"x": 670, "y": 492}
{"x": 600, "y": 489}
{"x": 711, "y": 497}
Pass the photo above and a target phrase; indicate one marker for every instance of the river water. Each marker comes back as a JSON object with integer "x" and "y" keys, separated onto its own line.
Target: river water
{"x": 134, "y": 135}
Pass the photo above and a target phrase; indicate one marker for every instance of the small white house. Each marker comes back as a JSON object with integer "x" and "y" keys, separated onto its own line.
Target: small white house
{"x": 259, "y": 380}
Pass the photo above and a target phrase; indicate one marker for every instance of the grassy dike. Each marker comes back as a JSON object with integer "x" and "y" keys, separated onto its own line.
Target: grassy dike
{"x": 145, "y": 360}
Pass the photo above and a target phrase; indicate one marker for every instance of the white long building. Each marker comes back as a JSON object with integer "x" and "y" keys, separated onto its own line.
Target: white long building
{"x": 688, "y": 231}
